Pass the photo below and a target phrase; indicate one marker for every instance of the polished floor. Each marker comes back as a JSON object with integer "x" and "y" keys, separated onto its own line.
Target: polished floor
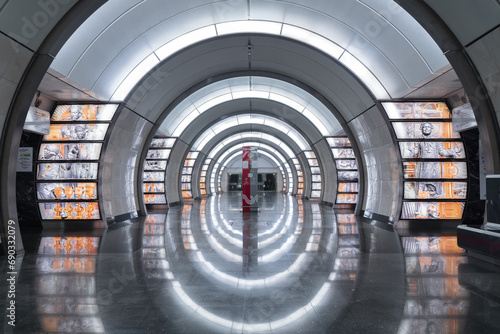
{"x": 293, "y": 267}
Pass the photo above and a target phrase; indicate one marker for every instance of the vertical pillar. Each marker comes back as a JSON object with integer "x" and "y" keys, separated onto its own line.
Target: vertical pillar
{"x": 249, "y": 180}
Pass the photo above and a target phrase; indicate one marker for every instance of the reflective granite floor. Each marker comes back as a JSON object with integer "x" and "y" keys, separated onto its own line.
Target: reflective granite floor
{"x": 292, "y": 267}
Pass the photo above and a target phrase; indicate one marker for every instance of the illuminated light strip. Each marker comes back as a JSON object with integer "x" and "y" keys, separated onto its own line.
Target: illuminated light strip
{"x": 255, "y": 27}
{"x": 226, "y": 123}
{"x": 177, "y": 117}
{"x": 229, "y": 140}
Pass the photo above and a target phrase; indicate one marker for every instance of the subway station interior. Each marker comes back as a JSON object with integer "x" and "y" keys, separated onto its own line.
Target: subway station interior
{"x": 366, "y": 130}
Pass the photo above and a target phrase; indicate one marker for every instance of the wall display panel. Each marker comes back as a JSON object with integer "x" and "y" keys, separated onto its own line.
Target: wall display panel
{"x": 185, "y": 178}
{"x": 435, "y": 190}
{"x": 67, "y": 191}
{"x": 187, "y": 170}
{"x": 69, "y": 210}
{"x": 76, "y": 132}
{"x": 424, "y": 130}
{"x": 155, "y": 199}
{"x": 67, "y": 171}
{"x": 158, "y": 154}
{"x": 315, "y": 178}
{"x": 313, "y": 162}
{"x": 162, "y": 142}
{"x": 432, "y": 210}
{"x": 81, "y": 151}
{"x": 432, "y": 150}
{"x": 339, "y": 142}
{"x": 343, "y": 153}
{"x": 155, "y": 165}
{"x": 347, "y": 198}
{"x": 346, "y": 164}
{"x": 315, "y": 194}
{"x": 347, "y": 170}
{"x": 417, "y": 110}
{"x": 316, "y": 186}
{"x": 435, "y": 170}
{"x": 153, "y": 187}
{"x": 348, "y": 176}
{"x": 83, "y": 113}
{"x": 153, "y": 176}
{"x": 348, "y": 187}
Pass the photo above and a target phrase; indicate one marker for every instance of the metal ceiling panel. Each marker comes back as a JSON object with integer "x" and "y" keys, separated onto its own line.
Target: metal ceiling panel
{"x": 36, "y": 21}
{"x": 480, "y": 16}
{"x": 127, "y": 38}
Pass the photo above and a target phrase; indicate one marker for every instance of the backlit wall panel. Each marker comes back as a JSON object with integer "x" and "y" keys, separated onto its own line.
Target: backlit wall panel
{"x": 155, "y": 168}
{"x": 434, "y": 160}
{"x": 347, "y": 170}
{"x": 69, "y": 159}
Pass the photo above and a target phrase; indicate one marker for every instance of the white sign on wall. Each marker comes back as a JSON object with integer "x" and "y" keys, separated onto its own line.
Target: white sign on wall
{"x": 25, "y": 159}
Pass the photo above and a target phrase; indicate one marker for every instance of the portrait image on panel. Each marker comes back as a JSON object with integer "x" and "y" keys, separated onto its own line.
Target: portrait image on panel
{"x": 155, "y": 165}
{"x": 80, "y": 151}
{"x": 348, "y": 176}
{"x": 347, "y": 187}
{"x": 155, "y": 187}
{"x": 67, "y": 171}
{"x": 424, "y": 130}
{"x": 339, "y": 153}
{"x": 432, "y": 150}
{"x": 66, "y": 191}
{"x": 158, "y": 154}
{"x": 435, "y": 190}
{"x": 417, "y": 110}
{"x": 69, "y": 210}
{"x": 153, "y": 176}
{"x": 66, "y": 132}
{"x": 432, "y": 210}
{"x": 435, "y": 170}
{"x": 155, "y": 199}
{"x": 346, "y": 164}
{"x": 82, "y": 113}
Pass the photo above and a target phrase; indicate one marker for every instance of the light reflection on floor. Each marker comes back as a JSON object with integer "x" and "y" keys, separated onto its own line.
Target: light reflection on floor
{"x": 293, "y": 267}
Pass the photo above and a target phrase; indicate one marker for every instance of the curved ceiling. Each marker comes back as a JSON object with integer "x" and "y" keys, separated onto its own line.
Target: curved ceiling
{"x": 377, "y": 40}
{"x": 255, "y": 91}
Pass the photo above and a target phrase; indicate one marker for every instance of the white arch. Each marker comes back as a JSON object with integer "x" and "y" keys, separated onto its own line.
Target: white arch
{"x": 242, "y": 119}
{"x": 260, "y": 88}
